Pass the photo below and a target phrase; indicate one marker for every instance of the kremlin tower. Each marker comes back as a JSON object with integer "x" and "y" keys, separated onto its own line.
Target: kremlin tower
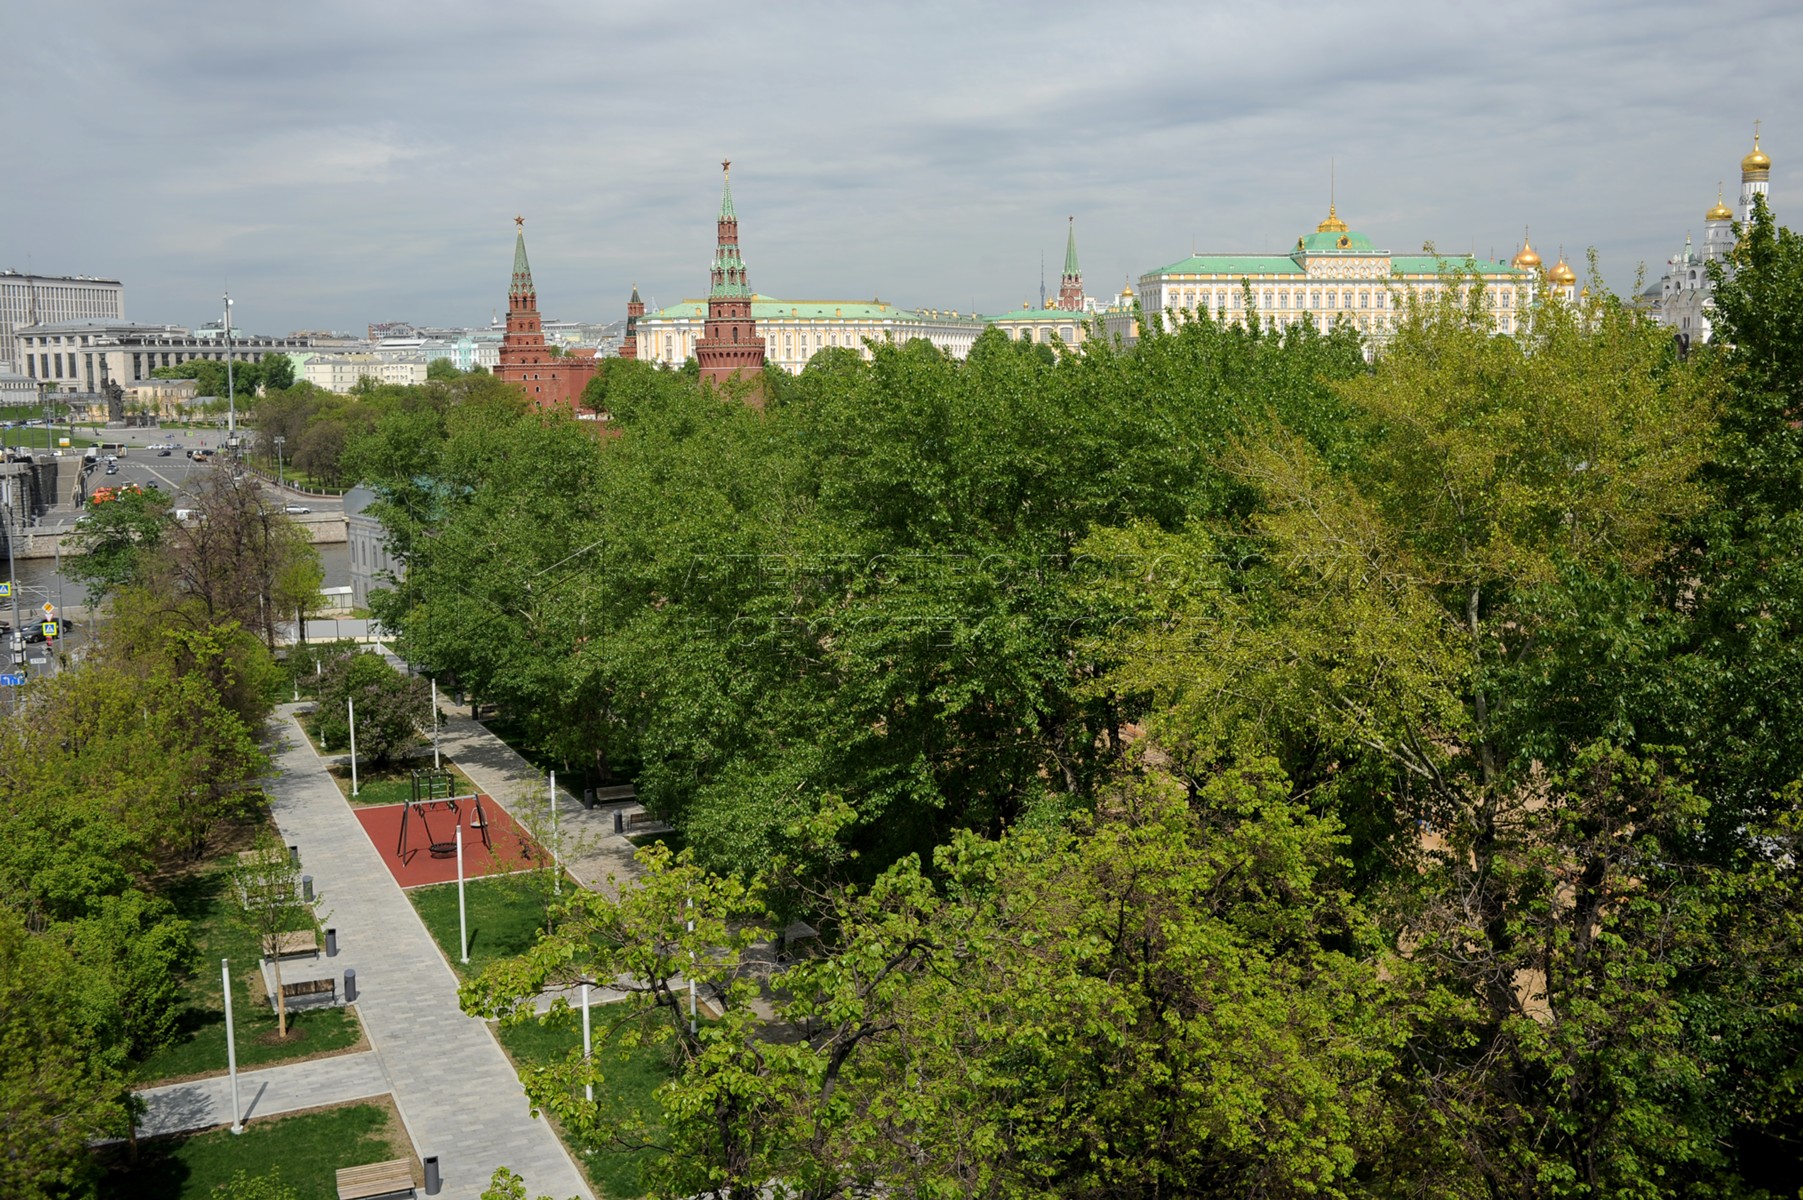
{"x": 729, "y": 347}
{"x": 1070, "y": 284}
{"x": 525, "y": 360}
{"x": 635, "y": 308}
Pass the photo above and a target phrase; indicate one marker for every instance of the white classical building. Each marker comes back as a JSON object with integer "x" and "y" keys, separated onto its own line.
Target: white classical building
{"x": 1682, "y": 299}
{"x": 52, "y": 299}
{"x": 83, "y": 356}
{"x": 342, "y": 372}
{"x": 796, "y": 330}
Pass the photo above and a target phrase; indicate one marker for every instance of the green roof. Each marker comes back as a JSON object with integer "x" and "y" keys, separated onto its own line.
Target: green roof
{"x": 1232, "y": 264}
{"x": 1041, "y": 314}
{"x": 768, "y": 308}
{"x": 1070, "y": 250}
{"x": 1329, "y": 242}
{"x": 1427, "y": 264}
{"x": 522, "y": 273}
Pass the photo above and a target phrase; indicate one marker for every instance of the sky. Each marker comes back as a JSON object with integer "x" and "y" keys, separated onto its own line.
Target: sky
{"x": 336, "y": 164}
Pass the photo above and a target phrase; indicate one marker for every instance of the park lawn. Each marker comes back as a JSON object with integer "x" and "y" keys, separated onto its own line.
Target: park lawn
{"x": 204, "y": 899}
{"x": 307, "y": 1148}
{"x": 505, "y": 915}
{"x": 393, "y": 784}
{"x": 633, "y": 1075}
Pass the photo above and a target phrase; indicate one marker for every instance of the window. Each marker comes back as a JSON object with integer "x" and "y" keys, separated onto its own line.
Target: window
{"x": 1364, "y": 299}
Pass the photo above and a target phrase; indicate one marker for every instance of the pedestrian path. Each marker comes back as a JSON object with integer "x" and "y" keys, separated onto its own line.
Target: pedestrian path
{"x": 206, "y": 1103}
{"x": 457, "y": 1093}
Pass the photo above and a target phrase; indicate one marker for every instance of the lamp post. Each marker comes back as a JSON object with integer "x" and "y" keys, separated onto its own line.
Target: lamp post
{"x": 231, "y": 397}
{"x": 280, "y": 441}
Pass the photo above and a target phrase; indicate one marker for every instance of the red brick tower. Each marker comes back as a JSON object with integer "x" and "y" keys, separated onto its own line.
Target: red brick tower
{"x": 635, "y": 308}
{"x": 729, "y": 346}
{"x": 1070, "y": 286}
{"x": 524, "y": 358}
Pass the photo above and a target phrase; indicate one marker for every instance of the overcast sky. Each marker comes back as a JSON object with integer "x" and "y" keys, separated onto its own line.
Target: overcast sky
{"x": 338, "y": 164}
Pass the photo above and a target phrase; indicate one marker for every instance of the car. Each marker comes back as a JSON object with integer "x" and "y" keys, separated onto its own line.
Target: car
{"x": 295, "y": 510}
{"x": 165, "y": 452}
{"x": 112, "y": 468}
{"x": 153, "y": 484}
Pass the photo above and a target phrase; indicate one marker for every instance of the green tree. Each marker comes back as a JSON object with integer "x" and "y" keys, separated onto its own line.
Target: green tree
{"x": 277, "y": 371}
{"x": 391, "y": 707}
{"x": 267, "y": 885}
{"x": 110, "y": 546}
{"x": 443, "y": 370}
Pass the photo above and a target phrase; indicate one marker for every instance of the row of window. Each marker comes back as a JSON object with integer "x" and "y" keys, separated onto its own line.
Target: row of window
{"x": 1225, "y": 299}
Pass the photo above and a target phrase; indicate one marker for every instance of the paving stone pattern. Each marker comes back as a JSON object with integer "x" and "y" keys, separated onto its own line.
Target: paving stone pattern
{"x": 205, "y": 1103}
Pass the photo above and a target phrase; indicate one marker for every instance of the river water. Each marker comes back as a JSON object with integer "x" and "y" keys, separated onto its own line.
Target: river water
{"x": 39, "y": 581}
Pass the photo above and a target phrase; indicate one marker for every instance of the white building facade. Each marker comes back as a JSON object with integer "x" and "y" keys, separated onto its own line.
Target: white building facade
{"x": 51, "y": 300}
{"x": 84, "y": 356}
{"x": 1683, "y": 298}
{"x": 795, "y": 330}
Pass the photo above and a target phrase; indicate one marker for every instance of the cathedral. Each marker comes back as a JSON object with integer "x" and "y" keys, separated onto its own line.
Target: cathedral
{"x": 1680, "y": 300}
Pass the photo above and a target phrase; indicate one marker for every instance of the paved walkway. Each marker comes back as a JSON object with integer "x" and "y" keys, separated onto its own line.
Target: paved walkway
{"x": 205, "y": 1103}
{"x": 456, "y": 1091}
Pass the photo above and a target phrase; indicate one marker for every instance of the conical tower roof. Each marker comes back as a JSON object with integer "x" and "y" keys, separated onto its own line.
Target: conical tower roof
{"x": 1070, "y": 249}
{"x": 522, "y": 270}
{"x": 726, "y": 212}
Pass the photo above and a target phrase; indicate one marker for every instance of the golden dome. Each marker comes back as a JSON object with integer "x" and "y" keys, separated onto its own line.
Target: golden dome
{"x": 1526, "y": 260}
{"x": 1562, "y": 275}
{"x": 1721, "y": 212}
{"x": 1757, "y": 164}
{"x": 1332, "y": 224}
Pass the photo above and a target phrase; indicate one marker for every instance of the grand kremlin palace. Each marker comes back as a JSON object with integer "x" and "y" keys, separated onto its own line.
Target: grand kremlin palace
{"x": 1337, "y": 273}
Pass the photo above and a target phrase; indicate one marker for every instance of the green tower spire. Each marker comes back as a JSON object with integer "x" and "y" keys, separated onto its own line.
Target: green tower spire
{"x": 522, "y": 270}
{"x": 1070, "y": 250}
{"x": 729, "y": 280}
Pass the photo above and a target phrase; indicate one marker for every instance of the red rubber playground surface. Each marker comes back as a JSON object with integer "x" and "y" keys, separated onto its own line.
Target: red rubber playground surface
{"x": 510, "y": 847}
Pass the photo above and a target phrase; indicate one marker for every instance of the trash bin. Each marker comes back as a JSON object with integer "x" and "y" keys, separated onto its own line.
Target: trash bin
{"x": 619, "y": 820}
{"x": 307, "y": 888}
{"x": 331, "y": 943}
{"x": 588, "y": 797}
{"x": 433, "y": 1183}
{"x": 350, "y": 985}
{"x": 294, "y": 855}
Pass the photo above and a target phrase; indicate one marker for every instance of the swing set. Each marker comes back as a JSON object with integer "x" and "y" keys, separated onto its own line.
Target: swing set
{"x": 434, "y": 791}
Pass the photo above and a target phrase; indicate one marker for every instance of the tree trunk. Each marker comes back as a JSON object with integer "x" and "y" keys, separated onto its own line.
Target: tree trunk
{"x": 281, "y": 1001}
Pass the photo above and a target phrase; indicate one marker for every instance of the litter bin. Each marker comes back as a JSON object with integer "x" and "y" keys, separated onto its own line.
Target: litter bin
{"x": 433, "y": 1183}
{"x": 331, "y": 943}
{"x": 588, "y": 797}
{"x": 619, "y": 820}
{"x": 307, "y": 888}
{"x": 350, "y": 985}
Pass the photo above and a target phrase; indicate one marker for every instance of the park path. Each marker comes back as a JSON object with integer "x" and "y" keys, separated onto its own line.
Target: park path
{"x": 265, "y": 1092}
{"x": 456, "y": 1091}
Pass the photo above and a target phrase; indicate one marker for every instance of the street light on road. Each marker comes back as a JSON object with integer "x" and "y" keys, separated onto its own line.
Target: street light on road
{"x": 280, "y": 441}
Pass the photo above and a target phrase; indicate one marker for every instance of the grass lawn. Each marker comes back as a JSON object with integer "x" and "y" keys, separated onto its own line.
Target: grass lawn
{"x": 505, "y": 915}
{"x": 393, "y": 784}
{"x": 307, "y": 1147}
{"x": 632, "y": 1075}
{"x": 204, "y": 899}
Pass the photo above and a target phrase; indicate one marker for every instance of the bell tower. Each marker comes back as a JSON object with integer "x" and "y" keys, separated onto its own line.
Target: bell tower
{"x": 1070, "y": 284}
{"x": 729, "y": 346}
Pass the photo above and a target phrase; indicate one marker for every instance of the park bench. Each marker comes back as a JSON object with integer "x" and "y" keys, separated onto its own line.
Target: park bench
{"x": 307, "y": 990}
{"x": 391, "y": 1178}
{"x": 297, "y": 942}
{"x": 616, "y": 794}
{"x": 641, "y": 818}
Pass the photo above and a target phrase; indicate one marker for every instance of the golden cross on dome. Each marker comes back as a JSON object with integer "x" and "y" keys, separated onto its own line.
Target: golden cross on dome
{"x": 520, "y": 221}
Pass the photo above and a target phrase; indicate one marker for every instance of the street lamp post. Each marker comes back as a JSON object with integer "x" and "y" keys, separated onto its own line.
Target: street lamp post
{"x": 231, "y": 398}
{"x": 280, "y": 441}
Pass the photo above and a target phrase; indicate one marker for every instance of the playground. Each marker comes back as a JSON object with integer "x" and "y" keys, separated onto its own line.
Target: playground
{"x": 418, "y": 839}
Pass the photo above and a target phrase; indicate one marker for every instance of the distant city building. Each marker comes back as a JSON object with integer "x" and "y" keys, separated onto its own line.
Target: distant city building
{"x": 341, "y": 372}
{"x": 50, "y": 300}
{"x": 367, "y": 543}
{"x": 1683, "y": 299}
{"x": 793, "y": 331}
{"x": 1332, "y": 274}
{"x": 83, "y": 356}
{"x": 524, "y": 359}
{"x": 729, "y": 346}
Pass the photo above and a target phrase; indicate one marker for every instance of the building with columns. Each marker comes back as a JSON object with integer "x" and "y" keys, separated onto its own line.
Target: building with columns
{"x": 1682, "y": 299}
{"x": 1333, "y": 274}
{"x": 84, "y": 356}
{"x": 524, "y": 360}
{"x": 729, "y": 346}
{"x": 793, "y": 331}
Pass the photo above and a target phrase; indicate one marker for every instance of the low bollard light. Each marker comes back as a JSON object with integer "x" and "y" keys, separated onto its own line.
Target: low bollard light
{"x": 350, "y": 985}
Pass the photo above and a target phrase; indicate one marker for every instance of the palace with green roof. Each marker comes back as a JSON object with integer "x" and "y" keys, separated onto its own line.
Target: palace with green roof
{"x": 793, "y": 331}
{"x": 1333, "y": 274}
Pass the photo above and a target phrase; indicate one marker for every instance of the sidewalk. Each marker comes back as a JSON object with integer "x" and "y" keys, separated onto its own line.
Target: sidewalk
{"x": 456, "y": 1091}
{"x": 204, "y": 1103}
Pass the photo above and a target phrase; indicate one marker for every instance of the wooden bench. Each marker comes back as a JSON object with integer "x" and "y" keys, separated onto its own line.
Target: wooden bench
{"x": 297, "y": 942}
{"x": 640, "y": 818}
{"x": 391, "y": 1178}
{"x": 617, "y": 794}
{"x": 307, "y": 989}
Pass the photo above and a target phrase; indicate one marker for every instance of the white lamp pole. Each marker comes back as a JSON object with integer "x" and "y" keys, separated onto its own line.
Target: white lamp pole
{"x": 231, "y": 1044}
{"x": 556, "y": 855}
{"x": 689, "y": 903}
{"x": 435, "y": 725}
{"x": 588, "y": 1089}
{"x": 463, "y": 919}
{"x": 351, "y": 707}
